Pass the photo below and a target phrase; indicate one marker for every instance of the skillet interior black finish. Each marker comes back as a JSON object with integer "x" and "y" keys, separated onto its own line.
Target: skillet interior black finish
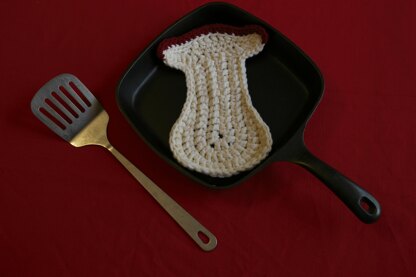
{"x": 285, "y": 87}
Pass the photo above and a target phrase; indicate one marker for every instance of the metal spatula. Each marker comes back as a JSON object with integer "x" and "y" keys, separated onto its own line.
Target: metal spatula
{"x": 67, "y": 107}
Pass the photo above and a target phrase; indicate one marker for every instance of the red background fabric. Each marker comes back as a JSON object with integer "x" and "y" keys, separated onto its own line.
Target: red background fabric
{"x": 77, "y": 212}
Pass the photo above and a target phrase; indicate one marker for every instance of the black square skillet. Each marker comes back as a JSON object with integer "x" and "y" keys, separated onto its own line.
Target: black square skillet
{"x": 285, "y": 87}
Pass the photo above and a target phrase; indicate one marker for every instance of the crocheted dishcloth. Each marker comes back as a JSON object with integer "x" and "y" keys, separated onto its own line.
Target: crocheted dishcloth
{"x": 219, "y": 132}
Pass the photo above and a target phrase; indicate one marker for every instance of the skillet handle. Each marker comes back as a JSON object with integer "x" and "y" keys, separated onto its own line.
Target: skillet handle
{"x": 359, "y": 201}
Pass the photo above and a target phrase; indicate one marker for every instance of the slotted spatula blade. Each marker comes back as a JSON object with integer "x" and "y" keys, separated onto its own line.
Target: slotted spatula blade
{"x": 69, "y": 109}
{"x": 59, "y": 105}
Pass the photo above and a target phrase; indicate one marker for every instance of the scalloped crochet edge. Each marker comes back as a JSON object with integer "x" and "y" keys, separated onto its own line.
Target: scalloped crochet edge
{"x": 211, "y": 28}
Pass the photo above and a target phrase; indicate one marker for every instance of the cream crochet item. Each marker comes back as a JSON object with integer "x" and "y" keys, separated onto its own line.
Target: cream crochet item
{"x": 219, "y": 132}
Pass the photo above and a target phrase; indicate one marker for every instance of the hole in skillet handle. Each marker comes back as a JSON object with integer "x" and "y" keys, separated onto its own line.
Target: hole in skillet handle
{"x": 368, "y": 206}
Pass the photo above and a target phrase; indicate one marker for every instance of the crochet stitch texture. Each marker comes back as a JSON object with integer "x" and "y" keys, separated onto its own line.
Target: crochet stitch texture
{"x": 219, "y": 132}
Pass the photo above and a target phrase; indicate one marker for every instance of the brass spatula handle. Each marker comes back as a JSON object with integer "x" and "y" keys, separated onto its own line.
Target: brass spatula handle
{"x": 191, "y": 226}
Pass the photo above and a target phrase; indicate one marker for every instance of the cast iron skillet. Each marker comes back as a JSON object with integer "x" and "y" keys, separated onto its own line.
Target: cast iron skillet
{"x": 285, "y": 87}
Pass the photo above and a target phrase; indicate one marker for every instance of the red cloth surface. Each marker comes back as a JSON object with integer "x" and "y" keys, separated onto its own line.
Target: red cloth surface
{"x": 76, "y": 212}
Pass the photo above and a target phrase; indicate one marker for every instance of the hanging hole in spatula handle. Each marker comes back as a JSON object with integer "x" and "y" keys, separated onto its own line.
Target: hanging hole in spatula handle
{"x": 359, "y": 201}
{"x": 205, "y": 239}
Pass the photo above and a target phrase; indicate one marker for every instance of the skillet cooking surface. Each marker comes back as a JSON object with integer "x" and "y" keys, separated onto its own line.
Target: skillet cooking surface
{"x": 283, "y": 83}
